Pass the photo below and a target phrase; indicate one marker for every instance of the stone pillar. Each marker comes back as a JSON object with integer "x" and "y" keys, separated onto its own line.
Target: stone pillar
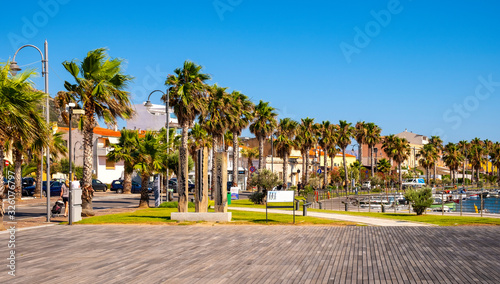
{"x": 201, "y": 189}
{"x": 220, "y": 193}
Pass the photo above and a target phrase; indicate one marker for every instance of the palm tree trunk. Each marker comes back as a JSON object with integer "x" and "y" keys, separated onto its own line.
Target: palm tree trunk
{"x": 38, "y": 185}
{"x": 127, "y": 181}
{"x": 144, "y": 202}
{"x": 303, "y": 169}
{"x": 345, "y": 170}
{"x": 435, "y": 171}
{"x": 427, "y": 174}
{"x": 236, "y": 154}
{"x": 463, "y": 173}
{"x": 87, "y": 190}
{"x": 261, "y": 152}
{"x": 182, "y": 185}
{"x": 285, "y": 170}
{"x": 213, "y": 181}
{"x": 371, "y": 161}
{"x": 325, "y": 165}
{"x": 18, "y": 162}
{"x": 400, "y": 177}
{"x": 472, "y": 176}
{"x": 477, "y": 173}
{"x": 360, "y": 153}
{"x": 308, "y": 161}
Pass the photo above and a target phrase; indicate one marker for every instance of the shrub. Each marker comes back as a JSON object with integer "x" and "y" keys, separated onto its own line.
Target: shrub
{"x": 376, "y": 190}
{"x": 174, "y": 204}
{"x": 257, "y": 197}
{"x": 420, "y": 199}
{"x": 266, "y": 179}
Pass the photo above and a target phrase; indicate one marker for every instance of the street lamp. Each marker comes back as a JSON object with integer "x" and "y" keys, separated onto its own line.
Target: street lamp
{"x": 70, "y": 108}
{"x": 14, "y": 68}
{"x": 148, "y": 106}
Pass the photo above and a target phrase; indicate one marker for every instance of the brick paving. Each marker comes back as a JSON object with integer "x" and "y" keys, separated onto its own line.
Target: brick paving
{"x": 254, "y": 254}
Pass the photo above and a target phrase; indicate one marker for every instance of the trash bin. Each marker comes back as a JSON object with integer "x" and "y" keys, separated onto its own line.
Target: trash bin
{"x": 229, "y": 198}
{"x": 346, "y": 206}
{"x": 383, "y": 208}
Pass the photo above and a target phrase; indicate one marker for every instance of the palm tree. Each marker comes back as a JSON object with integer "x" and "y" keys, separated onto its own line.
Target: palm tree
{"x": 384, "y": 166}
{"x": 188, "y": 98}
{"x": 452, "y": 158}
{"x": 124, "y": 151}
{"x": 284, "y": 143}
{"x": 147, "y": 163}
{"x": 428, "y": 155}
{"x": 100, "y": 89}
{"x": 464, "y": 148}
{"x": 328, "y": 138}
{"x": 438, "y": 144}
{"x": 333, "y": 150}
{"x": 198, "y": 138}
{"x": 487, "y": 144}
{"x": 399, "y": 150}
{"x": 308, "y": 138}
{"x": 241, "y": 114}
{"x": 250, "y": 154}
{"x": 476, "y": 157}
{"x": 372, "y": 138}
{"x": 215, "y": 121}
{"x": 495, "y": 159}
{"x": 263, "y": 125}
{"x": 344, "y": 135}
{"x": 360, "y": 133}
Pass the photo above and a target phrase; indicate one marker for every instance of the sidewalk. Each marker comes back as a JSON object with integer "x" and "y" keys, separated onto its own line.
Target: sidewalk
{"x": 350, "y": 218}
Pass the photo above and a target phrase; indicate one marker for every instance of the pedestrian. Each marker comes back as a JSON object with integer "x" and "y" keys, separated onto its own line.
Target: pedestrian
{"x": 65, "y": 196}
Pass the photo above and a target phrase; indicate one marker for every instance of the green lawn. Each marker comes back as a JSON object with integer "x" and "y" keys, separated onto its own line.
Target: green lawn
{"x": 158, "y": 216}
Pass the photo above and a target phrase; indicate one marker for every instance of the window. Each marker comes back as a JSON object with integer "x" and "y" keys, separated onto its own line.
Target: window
{"x": 110, "y": 165}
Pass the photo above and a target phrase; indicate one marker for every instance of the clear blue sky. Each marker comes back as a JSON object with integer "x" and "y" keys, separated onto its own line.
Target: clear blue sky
{"x": 419, "y": 70}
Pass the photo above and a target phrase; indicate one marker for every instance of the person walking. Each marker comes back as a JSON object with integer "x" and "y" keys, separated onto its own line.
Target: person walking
{"x": 65, "y": 196}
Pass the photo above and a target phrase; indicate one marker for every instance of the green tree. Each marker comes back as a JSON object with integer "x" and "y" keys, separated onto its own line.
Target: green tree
{"x": 345, "y": 133}
{"x": 372, "y": 138}
{"x": 420, "y": 199}
{"x": 399, "y": 150}
{"x": 146, "y": 163}
{"x": 284, "y": 142}
{"x": 264, "y": 124}
{"x": 308, "y": 138}
{"x": 428, "y": 157}
{"x": 453, "y": 159}
{"x": 327, "y": 140}
{"x": 265, "y": 179}
{"x": 464, "y": 148}
{"x": 124, "y": 151}
{"x": 438, "y": 144}
{"x": 188, "y": 98}
{"x": 100, "y": 89}
{"x": 360, "y": 133}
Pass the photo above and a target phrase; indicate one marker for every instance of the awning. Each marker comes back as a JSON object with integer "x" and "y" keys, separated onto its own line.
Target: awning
{"x": 114, "y": 140}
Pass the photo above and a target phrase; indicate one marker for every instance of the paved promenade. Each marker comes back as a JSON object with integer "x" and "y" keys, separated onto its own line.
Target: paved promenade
{"x": 254, "y": 254}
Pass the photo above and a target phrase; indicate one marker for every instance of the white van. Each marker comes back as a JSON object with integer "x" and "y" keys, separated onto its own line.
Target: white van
{"x": 414, "y": 182}
{"x": 366, "y": 185}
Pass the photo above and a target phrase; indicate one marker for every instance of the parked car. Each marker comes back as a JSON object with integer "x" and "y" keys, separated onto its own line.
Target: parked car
{"x": 366, "y": 185}
{"x": 97, "y": 185}
{"x": 55, "y": 189}
{"x": 118, "y": 184}
{"x": 172, "y": 183}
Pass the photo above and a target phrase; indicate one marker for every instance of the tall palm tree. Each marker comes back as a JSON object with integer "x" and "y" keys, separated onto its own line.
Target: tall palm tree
{"x": 307, "y": 133}
{"x": 264, "y": 124}
{"x": 464, "y": 148}
{"x": 250, "y": 154}
{"x": 438, "y": 144}
{"x": 215, "y": 121}
{"x": 198, "y": 138}
{"x": 100, "y": 89}
{"x": 124, "y": 151}
{"x": 495, "y": 159}
{"x": 399, "y": 150}
{"x": 284, "y": 143}
{"x": 147, "y": 163}
{"x": 328, "y": 138}
{"x": 388, "y": 146}
{"x": 360, "y": 133}
{"x": 188, "y": 98}
{"x": 428, "y": 156}
{"x": 487, "y": 144}
{"x": 372, "y": 138}
{"x": 476, "y": 157}
{"x": 344, "y": 135}
{"x": 452, "y": 158}
{"x": 241, "y": 114}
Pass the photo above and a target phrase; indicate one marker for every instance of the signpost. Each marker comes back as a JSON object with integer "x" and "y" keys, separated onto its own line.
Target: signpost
{"x": 235, "y": 193}
{"x": 282, "y": 197}
{"x": 319, "y": 171}
{"x": 252, "y": 169}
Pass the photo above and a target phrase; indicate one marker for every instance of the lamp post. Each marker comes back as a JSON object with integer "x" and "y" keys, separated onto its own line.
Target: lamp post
{"x": 14, "y": 68}
{"x": 148, "y": 106}
{"x": 272, "y": 153}
{"x": 70, "y": 108}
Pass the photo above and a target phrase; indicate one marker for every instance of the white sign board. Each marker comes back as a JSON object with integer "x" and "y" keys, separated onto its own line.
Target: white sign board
{"x": 235, "y": 193}
{"x": 280, "y": 196}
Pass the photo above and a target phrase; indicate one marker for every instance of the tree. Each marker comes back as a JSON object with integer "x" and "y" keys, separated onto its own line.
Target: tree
{"x": 372, "y": 138}
{"x": 476, "y": 157}
{"x": 399, "y": 150}
{"x": 428, "y": 155}
{"x": 241, "y": 114}
{"x": 360, "y": 133}
{"x": 250, "y": 154}
{"x": 100, "y": 89}
{"x": 308, "y": 139}
{"x": 146, "y": 163}
{"x": 284, "y": 143}
{"x": 188, "y": 98}
{"x": 345, "y": 133}
{"x": 452, "y": 158}
{"x": 264, "y": 124}
{"x": 420, "y": 199}
{"x": 384, "y": 166}
{"x": 124, "y": 151}
{"x": 464, "y": 148}
{"x": 495, "y": 159}
{"x": 328, "y": 139}
{"x": 438, "y": 144}
{"x": 265, "y": 179}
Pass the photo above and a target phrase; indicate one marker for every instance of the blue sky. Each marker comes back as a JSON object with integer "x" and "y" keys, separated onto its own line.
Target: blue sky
{"x": 420, "y": 65}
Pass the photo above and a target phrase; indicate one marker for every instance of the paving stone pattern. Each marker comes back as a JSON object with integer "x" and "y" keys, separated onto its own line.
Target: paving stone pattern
{"x": 254, "y": 254}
